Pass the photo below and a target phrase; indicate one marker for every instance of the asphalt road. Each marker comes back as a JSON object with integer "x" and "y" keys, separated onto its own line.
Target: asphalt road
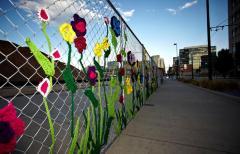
{"x": 183, "y": 119}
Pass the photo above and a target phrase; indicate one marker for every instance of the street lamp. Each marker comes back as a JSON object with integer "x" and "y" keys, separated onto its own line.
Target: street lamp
{"x": 177, "y": 59}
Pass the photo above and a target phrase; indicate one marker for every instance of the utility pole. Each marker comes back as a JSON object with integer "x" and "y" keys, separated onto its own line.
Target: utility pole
{"x": 209, "y": 43}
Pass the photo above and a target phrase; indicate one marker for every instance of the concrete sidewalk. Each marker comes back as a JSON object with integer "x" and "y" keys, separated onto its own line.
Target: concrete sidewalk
{"x": 182, "y": 119}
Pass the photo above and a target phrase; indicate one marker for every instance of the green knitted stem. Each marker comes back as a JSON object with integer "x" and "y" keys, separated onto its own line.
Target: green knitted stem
{"x": 67, "y": 74}
{"x": 99, "y": 68}
{"x": 72, "y": 115}
{"x": 75, "y": 137}
{"x": 50, "y": 124}
{"x": 84, "y": 70}
{"x": 88, "y": 92}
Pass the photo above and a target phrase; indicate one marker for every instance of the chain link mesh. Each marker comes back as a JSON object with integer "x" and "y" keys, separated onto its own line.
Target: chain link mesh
{"x": 20, "y": 74}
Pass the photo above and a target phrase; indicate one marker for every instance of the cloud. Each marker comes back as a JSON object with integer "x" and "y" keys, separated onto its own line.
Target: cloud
{"x": 188, "y": 5}
{"x": 172, "y": 11}
{"x": 126, "y": 14}
{"x": 180, "y": 8}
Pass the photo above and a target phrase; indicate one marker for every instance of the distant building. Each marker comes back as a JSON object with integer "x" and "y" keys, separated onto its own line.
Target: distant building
{"x": 162, "y": 64}
{"x": 192, "y": 55}
{"x": 156, "y": 60}
{"x": 159, "y": 62}
{"x": 195, "y": 59}
{"x": 175, "y": 61}
{"x": 234, "y": 31}
{"x": 184, "y": 56}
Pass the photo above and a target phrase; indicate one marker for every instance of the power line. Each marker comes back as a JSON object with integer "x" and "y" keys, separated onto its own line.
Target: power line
{"x": 221, "y": 27}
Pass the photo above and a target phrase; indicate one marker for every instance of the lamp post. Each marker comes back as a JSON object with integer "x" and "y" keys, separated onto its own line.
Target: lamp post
{"x": 177, "y": 73}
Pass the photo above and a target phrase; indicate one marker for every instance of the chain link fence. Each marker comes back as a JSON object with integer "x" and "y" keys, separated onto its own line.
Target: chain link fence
{"x": 20, "y": 73}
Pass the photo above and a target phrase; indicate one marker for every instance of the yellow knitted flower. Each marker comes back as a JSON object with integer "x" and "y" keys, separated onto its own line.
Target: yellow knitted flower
{"x": 129, "y": 89}
{"x": 98, "y": 50}
{"x": 105, "y": 44}
{"x": 128, "y": 81}
{"x": 128, "y": 86}
{"x": 67, "y": 32}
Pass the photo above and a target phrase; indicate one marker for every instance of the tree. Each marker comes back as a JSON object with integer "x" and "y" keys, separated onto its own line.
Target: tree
{"x": 224, "y": 62}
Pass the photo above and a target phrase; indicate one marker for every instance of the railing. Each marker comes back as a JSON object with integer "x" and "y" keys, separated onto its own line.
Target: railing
{"x": 102, "y": 109}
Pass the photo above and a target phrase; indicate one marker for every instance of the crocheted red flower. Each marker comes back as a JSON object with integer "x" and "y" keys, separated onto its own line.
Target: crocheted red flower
{"x": 79, "y": 25}
{"x": 43, "y": 15}
{"x": 121, "y": 98}
{"x": 56, "y": 55}
{"x": 119, "y": 58}
{"x": 121, "y": 71}
{"x": 80, "y": 43}
{"x": 11, "y": 127}
{"x": 92, "y": 75}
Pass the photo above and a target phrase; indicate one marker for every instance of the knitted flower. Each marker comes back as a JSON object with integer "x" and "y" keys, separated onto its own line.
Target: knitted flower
{"x": 119, "y": 58}
{"x": 79, "y": 25}
{"x": 43, "y": 15}
{"x": 121, "y": 98}
{"x": 128, "y": 86}
{"x": 80, "y": 43}
{"x": 11, "y": 127}
{"x": 105, "y": 44}
{"x": 106, "y": 20}
{"x": 67, "y": 32}
{"x": 55, "y": 54}
{"x": 129, "y": 89}
{"x": 98, "y": 50}
{"x": 92, "y": 75}
{"x": 131, "y": 58}
{"x": 44, "y": 87}
{"x": 115, "y": 24}
{"x": 128, "y": 81}
{"x": 121, "y": 71}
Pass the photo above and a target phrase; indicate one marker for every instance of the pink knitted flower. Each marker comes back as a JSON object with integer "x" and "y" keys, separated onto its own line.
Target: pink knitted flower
{"x": 43, "y": 15}
{"x": 11, "y": 127}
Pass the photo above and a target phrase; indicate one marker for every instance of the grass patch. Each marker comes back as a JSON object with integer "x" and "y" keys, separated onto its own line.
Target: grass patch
{"x": 218, "y": 85}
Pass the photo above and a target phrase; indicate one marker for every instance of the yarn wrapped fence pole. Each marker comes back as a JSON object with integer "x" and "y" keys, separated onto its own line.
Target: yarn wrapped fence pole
{"x": 71, "y": 96}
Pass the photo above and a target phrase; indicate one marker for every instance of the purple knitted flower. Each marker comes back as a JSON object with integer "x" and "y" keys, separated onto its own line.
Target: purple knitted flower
{"x": 79, "y": 25}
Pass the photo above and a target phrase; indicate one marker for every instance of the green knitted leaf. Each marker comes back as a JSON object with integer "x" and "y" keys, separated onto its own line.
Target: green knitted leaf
{"x": 86, "y": 136}
{"x": 114, "y": 39}
{"x": 99, "y": 68}
{"x": 107, "y": 52}
{"x": 113, "y": 81}
{"x": 43, "y": 61}
{"x": 123, "y": 52}
{"x": 74, "y": 140}
{"x": 88, "y": 92}
{"x": 112, "y": 100}
{"x": 125, "y": 36}
{"x": 69, "y": 80}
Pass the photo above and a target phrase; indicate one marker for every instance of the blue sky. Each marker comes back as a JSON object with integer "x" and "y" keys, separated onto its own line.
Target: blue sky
{"x": 160, "y": 23}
